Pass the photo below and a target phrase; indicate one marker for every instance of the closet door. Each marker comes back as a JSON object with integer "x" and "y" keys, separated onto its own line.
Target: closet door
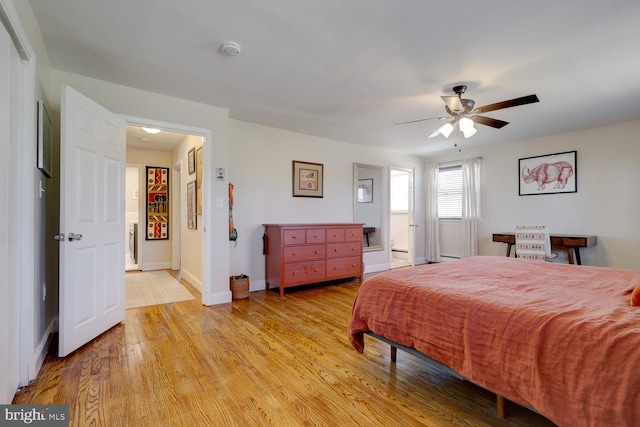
{"x": 10, "y": 136}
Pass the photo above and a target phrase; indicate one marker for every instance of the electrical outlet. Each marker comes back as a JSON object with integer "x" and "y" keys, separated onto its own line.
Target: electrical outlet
{"x": 44, "y": 291}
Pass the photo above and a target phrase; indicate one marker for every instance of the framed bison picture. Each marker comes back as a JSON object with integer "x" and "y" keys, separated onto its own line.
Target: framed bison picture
{"x": 548, "y": 174}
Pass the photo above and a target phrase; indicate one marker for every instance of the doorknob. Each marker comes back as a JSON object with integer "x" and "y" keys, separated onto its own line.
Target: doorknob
{"x": 59, "y": 237}
{"x": 74, "y": 236}
{"x": 413, "y": 225}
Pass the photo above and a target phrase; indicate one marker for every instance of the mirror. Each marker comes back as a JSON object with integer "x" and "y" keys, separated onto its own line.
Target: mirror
{"x": 368, "y": 201}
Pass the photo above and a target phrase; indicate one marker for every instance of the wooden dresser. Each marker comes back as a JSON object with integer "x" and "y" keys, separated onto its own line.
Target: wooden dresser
{"x": 299, "y": 254}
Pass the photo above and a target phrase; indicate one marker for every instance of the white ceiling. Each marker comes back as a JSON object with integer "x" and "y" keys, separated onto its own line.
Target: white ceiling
{"x": 349, "y": 69}
{"x": 163, "y": 141}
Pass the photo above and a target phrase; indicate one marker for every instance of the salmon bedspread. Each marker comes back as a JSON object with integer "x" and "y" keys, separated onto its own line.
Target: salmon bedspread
{"x": 562, "y": 339}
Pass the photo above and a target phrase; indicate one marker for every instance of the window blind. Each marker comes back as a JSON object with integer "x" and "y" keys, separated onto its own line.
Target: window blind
{"x": 450, "y": 192}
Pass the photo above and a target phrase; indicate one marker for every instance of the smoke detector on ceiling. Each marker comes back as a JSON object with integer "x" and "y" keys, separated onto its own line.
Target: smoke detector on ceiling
{"x": 230, "y": 48}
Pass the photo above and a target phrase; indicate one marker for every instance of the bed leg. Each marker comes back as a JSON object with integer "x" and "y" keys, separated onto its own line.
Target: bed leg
{"x": 394, "y": 353}
{"x": 500, "y": 404}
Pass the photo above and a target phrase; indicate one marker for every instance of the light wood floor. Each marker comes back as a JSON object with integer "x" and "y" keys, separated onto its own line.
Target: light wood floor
{"x": 262, "y": 361}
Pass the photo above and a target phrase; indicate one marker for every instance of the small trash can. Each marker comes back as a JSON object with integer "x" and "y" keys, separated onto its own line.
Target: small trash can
{"x": 239, "y": 286}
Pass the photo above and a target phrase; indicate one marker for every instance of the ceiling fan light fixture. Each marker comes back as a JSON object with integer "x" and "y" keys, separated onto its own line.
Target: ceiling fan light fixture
{"x": 151, "y": 131}
{"x": 466, "y": 124}
{"x": 469, "y": 132}
{"x": 445, "y": 130}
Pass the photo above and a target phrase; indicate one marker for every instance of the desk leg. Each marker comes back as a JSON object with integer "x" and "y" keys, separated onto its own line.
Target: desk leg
{"x": 509, "y": 249}
{"x": 570, "y": 255}
{"x": 578, "y": 261}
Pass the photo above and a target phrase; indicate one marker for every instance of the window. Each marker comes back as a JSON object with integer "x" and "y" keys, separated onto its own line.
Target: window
{"x": 450, "y": 192}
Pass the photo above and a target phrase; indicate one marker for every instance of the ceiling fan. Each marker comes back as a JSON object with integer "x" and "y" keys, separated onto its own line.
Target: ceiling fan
{"x": 463, "y": 113}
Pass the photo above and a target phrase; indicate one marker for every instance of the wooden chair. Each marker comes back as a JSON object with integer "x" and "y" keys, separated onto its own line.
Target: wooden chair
{"x": 533, "y": 242}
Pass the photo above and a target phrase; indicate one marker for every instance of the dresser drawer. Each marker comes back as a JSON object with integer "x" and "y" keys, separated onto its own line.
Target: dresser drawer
{"x": 302, "y": 252}
{"x": 335, "y": 235}
{"x": 299, "y": 272}
{"x": 294, "y": 237}
{"x": 354, "y": 233}
{"x": 316, "y": 235}
{"x": 339, "y": 250}
{"x": 344, "y": 267}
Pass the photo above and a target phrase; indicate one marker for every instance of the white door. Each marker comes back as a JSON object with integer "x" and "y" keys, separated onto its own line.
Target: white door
{"x": 92, "y": 172}
{"x": 10, "y": 140}
{"x": 412, "y": 225}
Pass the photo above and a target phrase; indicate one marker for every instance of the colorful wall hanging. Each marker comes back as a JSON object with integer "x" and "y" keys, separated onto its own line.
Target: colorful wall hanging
{"x": 157, "y": 203}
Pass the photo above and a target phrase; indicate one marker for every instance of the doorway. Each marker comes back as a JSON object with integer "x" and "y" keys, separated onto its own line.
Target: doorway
{"x": 181, "y": 252}
{"x": 132, "y": 216}
{"x": 401, "y": 227}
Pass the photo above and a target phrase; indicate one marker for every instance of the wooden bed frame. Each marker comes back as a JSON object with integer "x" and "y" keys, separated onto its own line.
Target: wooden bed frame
{"x": 500, "y": 400}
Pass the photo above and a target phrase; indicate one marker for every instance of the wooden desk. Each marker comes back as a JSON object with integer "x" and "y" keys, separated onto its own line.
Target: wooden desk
{"x": 571, "y": 243}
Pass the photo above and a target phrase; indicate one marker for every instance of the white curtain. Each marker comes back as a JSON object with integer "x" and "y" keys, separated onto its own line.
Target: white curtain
{"x": 432, "y": 222}
{"x": 471, "y": 173}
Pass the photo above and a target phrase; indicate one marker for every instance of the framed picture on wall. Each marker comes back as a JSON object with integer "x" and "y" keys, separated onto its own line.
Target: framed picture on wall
{"x": 548, "y": 174}
{"x": 157, "y": 203}
{"x": 307, "y": 179}
{"x": 199, "y": 181}
{"x": 45, "y": 144}
{"x": 365, "y": 190}
{"x": 192, "y": 161}
{"x": 192, "y": 218}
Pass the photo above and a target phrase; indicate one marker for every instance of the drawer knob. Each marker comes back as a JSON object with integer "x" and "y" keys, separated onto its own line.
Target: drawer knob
{"x": 294, "y": 273}
{"x": 317, "y": 252}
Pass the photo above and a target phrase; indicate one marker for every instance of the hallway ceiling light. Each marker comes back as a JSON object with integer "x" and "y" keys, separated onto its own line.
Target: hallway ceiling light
{"x": 152, "y": 131}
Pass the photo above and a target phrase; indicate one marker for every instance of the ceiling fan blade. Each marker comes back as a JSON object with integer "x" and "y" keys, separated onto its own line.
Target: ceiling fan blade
{"x": 453, "y": 102}
{"x": 488, "y": 121}
{"x": 507, "y": 104}
{"x": 420, "y": 120}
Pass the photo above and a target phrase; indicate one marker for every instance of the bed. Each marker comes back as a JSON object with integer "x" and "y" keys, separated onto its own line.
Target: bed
{"x": 561, "y": 339}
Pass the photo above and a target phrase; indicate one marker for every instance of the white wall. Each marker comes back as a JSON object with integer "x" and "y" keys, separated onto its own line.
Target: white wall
{"x": 191, "y": 240}
{"x": 260, "y": 160}
{"x": 606, "y": 204}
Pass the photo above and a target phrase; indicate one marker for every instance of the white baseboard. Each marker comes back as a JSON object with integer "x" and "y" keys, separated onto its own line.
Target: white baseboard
{"x": 42, "y": 348}
{"x": 377, "y": 267}
{"x": 155, "y": 266}
{"x": 186, "y": 275}
{"x": 218, "y": 298}
{"x": 257, "y": 285}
